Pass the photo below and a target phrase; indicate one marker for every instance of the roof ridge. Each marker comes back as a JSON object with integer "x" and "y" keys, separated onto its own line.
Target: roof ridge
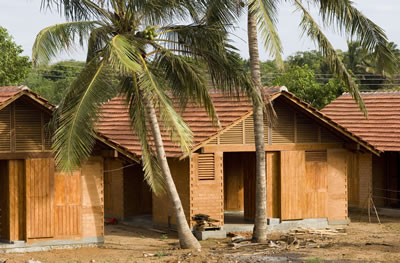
{"x": 346, "y": 93}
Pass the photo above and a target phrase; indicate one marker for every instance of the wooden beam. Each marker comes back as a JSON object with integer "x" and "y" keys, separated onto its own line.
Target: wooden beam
{"x": 276, "y": 147}
{"x": 25, "y": 155}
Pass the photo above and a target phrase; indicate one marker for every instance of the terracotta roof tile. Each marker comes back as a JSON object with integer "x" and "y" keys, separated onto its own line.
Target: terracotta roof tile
{"x": 115, "y": 121}
{"x": 381, "y": 128}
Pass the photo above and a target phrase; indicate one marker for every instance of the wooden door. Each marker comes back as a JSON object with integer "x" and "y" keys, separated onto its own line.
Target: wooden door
{"x": 67, "y": 204}
{"x": 39, "y": 198}
{"x": 293, "y": 172}
{"x": 233, "y": 181}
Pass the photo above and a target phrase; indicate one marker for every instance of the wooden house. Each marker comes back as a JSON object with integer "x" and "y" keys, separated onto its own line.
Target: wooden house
{"x": 306, "y": 158}
{"x": 374, "y": 176}
{"x": 40, "y": 205}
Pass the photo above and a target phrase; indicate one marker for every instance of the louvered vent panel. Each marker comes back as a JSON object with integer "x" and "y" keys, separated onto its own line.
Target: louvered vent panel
{"x": 206, "y": 166}
{"x": 316, "y": 156}
{"x": 233, "y": 136}
{"x": 283, "y": 130}
{"x": 307, "y": 130}
{"x": 249, "y": 130}
{"x": 47, "y": 134}
{"x": 213, "y": 141}
{"x": 5, "y": 130}
{"x": 28, "y": 128}
{"x": 329, "y": 137}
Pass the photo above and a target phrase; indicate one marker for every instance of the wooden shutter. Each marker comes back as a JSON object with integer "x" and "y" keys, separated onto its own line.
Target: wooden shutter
{"x": 329, "y": 137}
{"x": 206, "y": 166}
{"x": 232, "y": 136}
{"x": 39, "y": 198}
{"x": 306, "y": 129}
{"x": 28, "y": 127}
{"x": 283, "y": 130}
{"x": 5, "y": 130}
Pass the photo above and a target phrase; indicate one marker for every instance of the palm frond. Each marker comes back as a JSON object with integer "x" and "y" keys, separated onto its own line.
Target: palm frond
{"x": 124, "y": 56}
{"x": 61, "y": 37}
{"x": 76, "y": 10}
{"x": 349, "y": 20}
{"x": 78, "y": 113}
{"x": 265, "y": 12}
{"x": 313, "y": 30}
{"x": 178, "y": 130}
{"x": 152, "y": 171}
{"x": 98, "y": 39}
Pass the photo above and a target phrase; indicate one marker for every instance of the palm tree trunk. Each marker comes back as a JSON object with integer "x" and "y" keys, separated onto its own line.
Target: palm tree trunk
{"x": 260, "y": 222}
{"x": 186, "y": 238}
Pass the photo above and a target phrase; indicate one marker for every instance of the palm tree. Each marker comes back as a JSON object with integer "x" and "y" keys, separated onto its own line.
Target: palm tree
{"x": 342, "y": 15}
{"x": 137, "y": 43}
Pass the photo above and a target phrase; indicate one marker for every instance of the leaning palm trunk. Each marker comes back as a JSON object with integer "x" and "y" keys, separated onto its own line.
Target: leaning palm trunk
{"x": 260, "y": 224}
{"x": 186, "y": 238}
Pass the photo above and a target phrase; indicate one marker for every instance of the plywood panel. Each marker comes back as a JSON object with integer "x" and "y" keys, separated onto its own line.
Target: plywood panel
{"x": 92, "y": 197}
{"x": 40, "y": 198}
{"x": 292, "y": 184}
{"x": 337, "y": 184}
{"x": 233, "y": 182}
{"x": 67, "y": 204}
{"x": 273, "y": 185}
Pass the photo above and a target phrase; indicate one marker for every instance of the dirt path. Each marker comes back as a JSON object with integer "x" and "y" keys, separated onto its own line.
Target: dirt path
{"x": 362, "y": 242}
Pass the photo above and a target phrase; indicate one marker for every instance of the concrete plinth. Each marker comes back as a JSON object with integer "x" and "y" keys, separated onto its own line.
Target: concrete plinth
{"x": 213, "y": 234}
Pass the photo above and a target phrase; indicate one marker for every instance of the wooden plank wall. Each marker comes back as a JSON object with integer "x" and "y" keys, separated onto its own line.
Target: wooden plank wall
{"x": 114, "y": 188}
{"x": 273, "y": 184}
{"x": 207, "y": 196}
{"x": 314, "y": 204}
{"x": 379, "y": 181}
{"x": 4, "y": 199}
{"x": 293, "y": 172}
{"x": 39, "y": 198}
{"x": 137, "y": 193}
{"x": 16, "y": 170}
{"x": 337, "y": 184}
{"x": 93, "y": 197}
{"x": 233, "y": 182}
{"x": 162, "y": 207}
{"x": 353, "y": 179}
{"x": 67, "y": 204}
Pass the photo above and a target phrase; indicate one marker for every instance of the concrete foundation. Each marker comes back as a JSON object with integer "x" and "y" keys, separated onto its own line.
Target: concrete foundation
{"x": 23, "y": 247}
{"x": 213, "y": 234}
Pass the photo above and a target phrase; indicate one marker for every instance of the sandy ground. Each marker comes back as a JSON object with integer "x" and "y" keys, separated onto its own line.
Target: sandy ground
{"x": 361, "y": 242}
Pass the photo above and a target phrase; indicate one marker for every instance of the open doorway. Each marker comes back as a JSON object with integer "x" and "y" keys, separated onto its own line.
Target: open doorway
{"x": 239, "y": 186}
{"x": 137, "y": 195}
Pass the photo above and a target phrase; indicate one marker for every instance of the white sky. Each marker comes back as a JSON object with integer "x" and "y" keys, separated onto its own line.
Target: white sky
{"x": 23, "y": 19}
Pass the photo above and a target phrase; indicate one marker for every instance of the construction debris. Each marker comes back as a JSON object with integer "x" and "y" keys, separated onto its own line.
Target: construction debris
{"x": 205, "y": 223}
{"x": 295, "y": 239}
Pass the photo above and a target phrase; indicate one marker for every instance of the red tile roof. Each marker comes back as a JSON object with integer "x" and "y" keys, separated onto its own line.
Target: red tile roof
{"x": 381, "y": 129}
{"x": 115, "y": 122}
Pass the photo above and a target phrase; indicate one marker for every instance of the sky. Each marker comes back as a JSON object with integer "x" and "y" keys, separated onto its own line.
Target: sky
{"x": 24, "y": 19}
